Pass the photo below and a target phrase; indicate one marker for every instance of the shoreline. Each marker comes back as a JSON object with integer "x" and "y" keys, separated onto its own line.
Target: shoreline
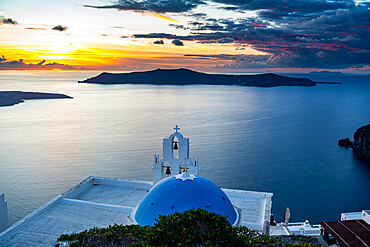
{"x": 11, "y": 98}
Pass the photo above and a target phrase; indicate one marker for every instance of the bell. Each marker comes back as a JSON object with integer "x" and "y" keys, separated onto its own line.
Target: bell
{"x": 168, "y": 171}
{"x": 175, "y": 146}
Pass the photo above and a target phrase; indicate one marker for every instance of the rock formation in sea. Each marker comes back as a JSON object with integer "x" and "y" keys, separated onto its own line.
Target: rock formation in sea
{"x": 361, "y": 143}
{"x": 187, "y": 77}
{"x": 345, "y": 142}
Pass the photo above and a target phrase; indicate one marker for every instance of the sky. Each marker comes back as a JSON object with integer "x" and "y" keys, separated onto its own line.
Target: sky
{"x": 212, "y": 35}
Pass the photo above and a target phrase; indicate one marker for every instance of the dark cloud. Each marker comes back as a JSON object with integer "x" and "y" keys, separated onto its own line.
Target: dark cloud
{"x": 162, "y": 36}
{"x": 60, "y": 28}
{"x": 159, "y": 6}
{"x": 225, "y": 40}
{"x": 340, "y": 18}
{"x": 303, "y": 33}
{"x": 177, "y": 26}
{"x": 158, "y": 42}
{"x": 241, "y": 57}
{"x": 231, "y": 8}
{"x": 197, "y": 16}
{"x": 20, "y": 64}
{"x": 9, "y": 21}
{"x": 237, "y": 61}
{"x": 273, "y": 9}
{"x": 177, "y": 42}
{"x": 216, "y": 37}
{"x": 285, "y": 10}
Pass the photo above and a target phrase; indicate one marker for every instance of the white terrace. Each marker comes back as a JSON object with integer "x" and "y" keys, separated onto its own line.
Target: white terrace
{"x": 99, "y": 202}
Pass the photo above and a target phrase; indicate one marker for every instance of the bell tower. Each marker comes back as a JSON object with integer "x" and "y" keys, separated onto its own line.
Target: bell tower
{"x": 175, "y": 158}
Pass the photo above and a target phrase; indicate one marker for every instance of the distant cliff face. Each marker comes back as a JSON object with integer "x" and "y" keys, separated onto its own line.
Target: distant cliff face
{"x": 361, "y": 143}
{"x": 186, "y": 77}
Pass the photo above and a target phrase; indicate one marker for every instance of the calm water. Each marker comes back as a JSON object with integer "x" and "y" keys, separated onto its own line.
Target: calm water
{"x": 281, "y": 140}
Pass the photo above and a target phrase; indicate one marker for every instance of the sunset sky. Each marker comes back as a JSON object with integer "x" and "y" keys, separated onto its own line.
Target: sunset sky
{"x": 214, "y": 35}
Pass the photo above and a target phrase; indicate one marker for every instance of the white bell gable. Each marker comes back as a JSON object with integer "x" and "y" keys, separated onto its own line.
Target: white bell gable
{"x": 175, "y": 158}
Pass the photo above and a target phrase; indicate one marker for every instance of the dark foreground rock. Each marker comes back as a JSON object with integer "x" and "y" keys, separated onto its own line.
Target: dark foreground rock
{"x": 9, "y": 98}
{"x": 361, "y": 143}
{"x": 187, "y": 77}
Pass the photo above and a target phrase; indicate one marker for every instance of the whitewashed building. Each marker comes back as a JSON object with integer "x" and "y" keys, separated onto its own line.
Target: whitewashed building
{"x": 99, "y": 201}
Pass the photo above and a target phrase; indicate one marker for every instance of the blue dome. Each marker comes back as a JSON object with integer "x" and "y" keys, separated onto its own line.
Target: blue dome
{"x": 180, "y": 193}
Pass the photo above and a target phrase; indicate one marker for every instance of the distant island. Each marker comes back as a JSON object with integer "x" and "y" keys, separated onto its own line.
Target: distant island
{"x": 324, "y": 72}
{"x": 9, "y": 98}
{"x": 188, "y": 77}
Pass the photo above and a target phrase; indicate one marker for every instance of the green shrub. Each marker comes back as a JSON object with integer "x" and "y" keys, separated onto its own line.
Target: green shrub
{"x": 195, "y": 227}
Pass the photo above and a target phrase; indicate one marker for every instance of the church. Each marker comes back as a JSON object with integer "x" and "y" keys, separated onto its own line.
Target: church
{"x": 176, "y": 186}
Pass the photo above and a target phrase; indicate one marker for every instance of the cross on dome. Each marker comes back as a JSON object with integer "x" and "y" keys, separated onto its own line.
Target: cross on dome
{"x": 176, "y": 128}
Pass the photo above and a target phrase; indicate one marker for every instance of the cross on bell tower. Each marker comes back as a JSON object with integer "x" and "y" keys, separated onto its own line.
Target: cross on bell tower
{"x": 176, "y": 128}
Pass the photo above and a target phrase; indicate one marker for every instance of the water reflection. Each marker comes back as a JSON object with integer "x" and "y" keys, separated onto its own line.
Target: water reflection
{"x": 281, "y": 140}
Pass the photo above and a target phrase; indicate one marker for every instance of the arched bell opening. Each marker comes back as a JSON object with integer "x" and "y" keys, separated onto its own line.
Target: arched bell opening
{"x": 166, "y": 168}
{"x": 175, "y": 147}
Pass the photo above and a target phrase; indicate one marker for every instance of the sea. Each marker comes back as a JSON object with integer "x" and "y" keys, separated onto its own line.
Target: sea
{"x": 281, "y": 140}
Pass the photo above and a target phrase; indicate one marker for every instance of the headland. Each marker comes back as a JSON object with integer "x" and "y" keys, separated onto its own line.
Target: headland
{"x": 10, "y": 98}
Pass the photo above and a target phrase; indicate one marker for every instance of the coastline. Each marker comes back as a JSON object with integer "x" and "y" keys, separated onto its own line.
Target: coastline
{"x": 11, "y": 98}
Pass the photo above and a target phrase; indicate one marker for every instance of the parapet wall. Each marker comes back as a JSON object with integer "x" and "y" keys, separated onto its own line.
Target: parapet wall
{"x": 3, "y": 213}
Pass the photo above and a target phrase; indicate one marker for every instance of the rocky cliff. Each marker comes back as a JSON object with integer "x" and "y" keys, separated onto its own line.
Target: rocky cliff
{"x": 361, "y": 143}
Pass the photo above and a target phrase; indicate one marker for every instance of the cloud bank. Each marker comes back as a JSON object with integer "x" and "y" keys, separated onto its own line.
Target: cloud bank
{"x": 9, "y": 21}
{"x": 303, "y": 33}
{"x": 159, "y": 6}
{"x": 177, "y": 42}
